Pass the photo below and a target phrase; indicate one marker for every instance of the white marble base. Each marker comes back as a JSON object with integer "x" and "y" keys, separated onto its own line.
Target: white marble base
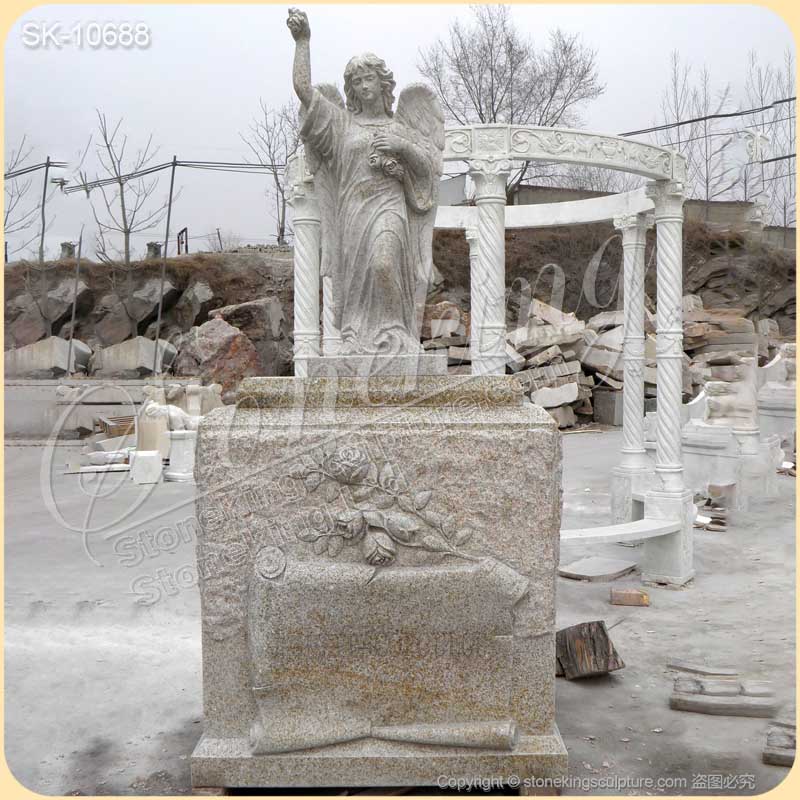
{"x": 181, "y": 456}
{"x": 146, "y": 466}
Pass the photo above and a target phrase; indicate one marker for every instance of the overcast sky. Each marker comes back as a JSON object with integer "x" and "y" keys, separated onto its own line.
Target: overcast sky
{"x": 198, "y": 83}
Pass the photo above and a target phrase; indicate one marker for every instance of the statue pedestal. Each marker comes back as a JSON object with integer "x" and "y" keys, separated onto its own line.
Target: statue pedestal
{"x": 377, "y": 561}
{"x": 373, "y": 365}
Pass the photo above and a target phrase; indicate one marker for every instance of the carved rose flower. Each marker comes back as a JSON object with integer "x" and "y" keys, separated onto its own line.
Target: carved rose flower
{"x": 348, "y": 464}
{"x": 378, "y": 548}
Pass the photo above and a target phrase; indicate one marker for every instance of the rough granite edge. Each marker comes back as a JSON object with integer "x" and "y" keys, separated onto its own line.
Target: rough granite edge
{"x": 427, "y": 390}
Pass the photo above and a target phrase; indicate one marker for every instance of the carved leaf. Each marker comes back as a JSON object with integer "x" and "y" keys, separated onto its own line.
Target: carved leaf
{"x": 313, "y": 480}
{"x": 372, "y": 473}
{"x": 433, "y": 540}
{"x": 386, "y": 474}
{"x": 320, "y": 546}
{"x": 361, "y": 493}
{"x": 331, "y": 491}
{"x": 299, "y": 472}
{"x": 401, "y": 526}
{"x": 335, "y": 545}
{"x": 308, "y": 535}
{"x": 449, "y": 526}
{"x": 383, "y": 500}
{"x": 422, "y": 499}
{"x": 463, "y": 536}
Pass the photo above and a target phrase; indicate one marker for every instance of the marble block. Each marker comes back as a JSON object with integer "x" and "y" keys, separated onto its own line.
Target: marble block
{"x": 181, "y": 455}
{"x": 133, "y": 357}
{"x": 377, "y": 562}
{"x": 146, "y": 466}
{"x": 48, "y": 357}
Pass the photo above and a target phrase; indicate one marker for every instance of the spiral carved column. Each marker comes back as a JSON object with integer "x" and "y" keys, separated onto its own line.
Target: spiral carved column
{"x": 667, "y": 197}
{"x": 488, "y": 292}
{"x": 634, "y": 230}
{"x": 306, "y": 264}
{"x": 477, "y": 297}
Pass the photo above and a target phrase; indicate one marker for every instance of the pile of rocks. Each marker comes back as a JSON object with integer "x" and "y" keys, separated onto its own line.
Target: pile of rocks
{"x": 574, "y": 368}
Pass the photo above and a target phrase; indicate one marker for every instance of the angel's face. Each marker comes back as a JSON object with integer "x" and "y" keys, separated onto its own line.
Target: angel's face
{"x": 366, "y": 85}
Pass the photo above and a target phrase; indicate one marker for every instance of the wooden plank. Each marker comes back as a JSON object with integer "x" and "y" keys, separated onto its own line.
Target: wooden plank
{"x": 629, "y": 597}
{"x": 585, "y": 649}
{"x": 701, "y": 669}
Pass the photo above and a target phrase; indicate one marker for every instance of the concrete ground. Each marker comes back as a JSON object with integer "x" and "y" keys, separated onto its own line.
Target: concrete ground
{"x": 102, "y": 645}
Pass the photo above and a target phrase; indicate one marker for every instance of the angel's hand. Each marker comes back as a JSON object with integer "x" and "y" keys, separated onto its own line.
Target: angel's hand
{"x": 298, "y": 25}
{"x": 388, "y": 143}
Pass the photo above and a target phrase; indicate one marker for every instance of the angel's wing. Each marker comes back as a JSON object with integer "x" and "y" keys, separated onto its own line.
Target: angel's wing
{"x": 419, "y": 108}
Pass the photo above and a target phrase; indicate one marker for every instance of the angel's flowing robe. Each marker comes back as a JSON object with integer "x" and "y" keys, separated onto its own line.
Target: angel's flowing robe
{"x": 370, "y": 239}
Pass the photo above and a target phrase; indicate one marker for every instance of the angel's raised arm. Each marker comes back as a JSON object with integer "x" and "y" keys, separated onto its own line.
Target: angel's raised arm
{"x": 301, "y": 74}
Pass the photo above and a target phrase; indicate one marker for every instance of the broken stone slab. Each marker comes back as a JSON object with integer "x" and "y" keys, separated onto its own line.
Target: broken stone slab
{"x": 608, "y": 406}
{"x": 549, "y": 314}
{"x": 48, "y": 358}
{"x": 585, "y": 650}
{"x": 514, "y": 361}
{"x": 545, "y": 356}
{"x": 597, "y": 569}
{"x": 564, "y": 416}
{"x": 606, "y": 361}
{"x": 458, "y": 355}
{"x": 532, "y": 336}
{"x": 611, "y": 339}
{"x": 548, "y": 397}
{"x": 606, "y": 319}
{"x": 133, "y": 358}
{"x": 736, "y": 706}
{"x": 780, "y": 742}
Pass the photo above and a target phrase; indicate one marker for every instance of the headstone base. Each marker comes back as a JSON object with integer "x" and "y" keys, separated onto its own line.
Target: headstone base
{"x": 229, "y": 763}
{"x": 363, "y": 366}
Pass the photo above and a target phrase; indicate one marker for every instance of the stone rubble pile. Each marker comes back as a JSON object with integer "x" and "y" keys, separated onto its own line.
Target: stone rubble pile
{"x": 574, "y": 368}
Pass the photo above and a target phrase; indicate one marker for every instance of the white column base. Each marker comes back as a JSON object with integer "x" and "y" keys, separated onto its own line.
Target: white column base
{"x": 624, "y": 482}
{"x": 669, "y": 560}
{"x": 181, "y": 456}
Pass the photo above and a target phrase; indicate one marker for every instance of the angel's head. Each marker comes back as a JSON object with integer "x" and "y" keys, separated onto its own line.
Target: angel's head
{"x": 367, "y": 78}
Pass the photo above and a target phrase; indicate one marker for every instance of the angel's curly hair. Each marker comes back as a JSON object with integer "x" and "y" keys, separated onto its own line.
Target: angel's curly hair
{"x": 377, "y": 65}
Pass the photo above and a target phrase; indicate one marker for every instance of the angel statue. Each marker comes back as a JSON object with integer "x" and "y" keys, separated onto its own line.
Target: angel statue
{"x": 377, "y": 177}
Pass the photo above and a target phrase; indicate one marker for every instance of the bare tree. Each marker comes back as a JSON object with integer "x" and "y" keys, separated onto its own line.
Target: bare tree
{"x": 489, "y": 72}
{"x": 713, "y": 174}
{"x": 676, "y": 107}
{"x": 17, "y": 215}
{"x": 780, "y": 176}
{"x": 273, "y": 137}
{"x": 125, "y": 196}
{"x": 219, "y": 242}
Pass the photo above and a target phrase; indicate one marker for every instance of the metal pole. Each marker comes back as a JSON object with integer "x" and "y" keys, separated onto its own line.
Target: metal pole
{"x": 44, "y": 200}
{"x": 164, "y": 261}
{"x": 220, "y": 240}
{"x": 74, "y": 302}
{"x": 42, "y": 274}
